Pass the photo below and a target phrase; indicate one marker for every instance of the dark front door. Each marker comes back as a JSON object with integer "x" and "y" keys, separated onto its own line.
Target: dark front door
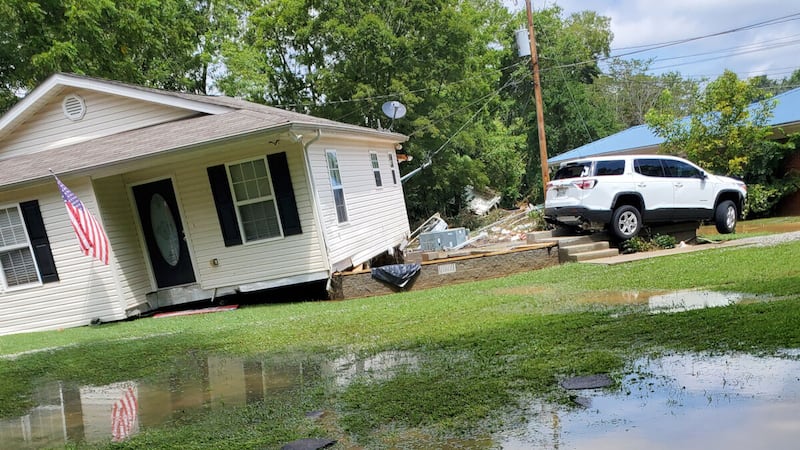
{"x": 163, "y": 233}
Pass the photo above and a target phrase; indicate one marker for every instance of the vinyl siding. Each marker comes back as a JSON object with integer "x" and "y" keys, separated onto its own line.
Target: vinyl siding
{"x": 86, "y": 289}
{"x": 251, "y": 262}
{"x": 105, "y": 115}
{"x": 122, "y": 230}
{"x": 377, "y": 218}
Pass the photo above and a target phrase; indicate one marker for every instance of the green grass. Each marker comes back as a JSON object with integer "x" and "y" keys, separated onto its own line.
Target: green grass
{"x": 481, "y": 346}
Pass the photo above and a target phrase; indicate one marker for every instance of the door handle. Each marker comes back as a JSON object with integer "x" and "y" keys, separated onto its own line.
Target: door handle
{"x": 678, "y": 185}
{"x": 641, "y": 185}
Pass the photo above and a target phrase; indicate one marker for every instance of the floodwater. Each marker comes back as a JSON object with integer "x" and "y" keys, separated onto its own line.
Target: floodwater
{"x": 655, "y": 300}
{"x": 114, "y": 412}
{"x": 674, "y": 402}
{"x": 755, "y": 227}
{"x": 682, "y": 402}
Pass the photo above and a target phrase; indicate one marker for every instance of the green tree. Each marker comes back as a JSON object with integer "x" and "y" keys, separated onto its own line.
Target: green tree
{"x": 569, "y": 51}
{"x": 728, "y": 132}
{"x": 166, "y": 44}
{"x": 632, "y": 91}
{"x": 342, "y": 59}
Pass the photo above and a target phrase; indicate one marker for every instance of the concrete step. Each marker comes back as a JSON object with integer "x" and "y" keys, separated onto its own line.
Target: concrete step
{"x": 572, "y": 249}
{"x": 596, "y": 254}
{"x": 547, "y": 236}
{"x": 576, "y": 248}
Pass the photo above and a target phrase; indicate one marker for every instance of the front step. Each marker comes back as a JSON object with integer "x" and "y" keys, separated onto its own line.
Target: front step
{"x": 577, "y": 248}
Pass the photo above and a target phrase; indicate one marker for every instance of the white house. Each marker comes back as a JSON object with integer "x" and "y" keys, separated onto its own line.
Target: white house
{"x": 200, "y": 196}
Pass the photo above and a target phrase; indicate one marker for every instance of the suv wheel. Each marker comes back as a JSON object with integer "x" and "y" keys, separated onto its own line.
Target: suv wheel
{"x": 725, "y": 217}
{"x": 626, "y": 222}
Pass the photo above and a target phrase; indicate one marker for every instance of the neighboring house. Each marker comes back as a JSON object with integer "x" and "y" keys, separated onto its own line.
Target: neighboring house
{"x": 640, "y": 139}
{"x": 200, "y": 196}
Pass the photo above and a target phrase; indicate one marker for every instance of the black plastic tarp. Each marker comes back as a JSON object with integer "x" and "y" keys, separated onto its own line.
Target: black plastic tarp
{"x": 396, "y": 274}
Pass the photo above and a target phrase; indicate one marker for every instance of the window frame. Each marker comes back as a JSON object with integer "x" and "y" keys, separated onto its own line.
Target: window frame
{"x": 4, "y": 287}
{"x": 392, "y": 167}
{"x": 337, "y": 186}
{"x": 376, "y": 168}
{"x": 237, "y": 204}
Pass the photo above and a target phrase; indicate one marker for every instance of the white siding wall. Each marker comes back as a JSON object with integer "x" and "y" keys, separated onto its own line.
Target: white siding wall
{"x": 87, "y": 289}
{"x": 105, "y": 115}
{"x": 123, "y": 233}
{"x": 251, "y": 262}
{"x": 377, "y": 218}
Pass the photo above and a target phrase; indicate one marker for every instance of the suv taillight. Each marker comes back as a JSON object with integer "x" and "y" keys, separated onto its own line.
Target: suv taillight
{"x": 584, "y": 184}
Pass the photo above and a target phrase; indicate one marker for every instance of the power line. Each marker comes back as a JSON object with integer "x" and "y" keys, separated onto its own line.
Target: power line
{"x": 645, "y": 48}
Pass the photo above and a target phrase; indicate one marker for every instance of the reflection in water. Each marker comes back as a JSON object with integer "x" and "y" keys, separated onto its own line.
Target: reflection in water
{"x": 113, "y": 412}
{"x": 379, "y": 367}
{"x": 686, "y": 300}
{"x": 664, "y": 301}
{"x": 679, "y": 402}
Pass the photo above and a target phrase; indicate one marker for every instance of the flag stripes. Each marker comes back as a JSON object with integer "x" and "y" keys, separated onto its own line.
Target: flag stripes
{"x": 123, "y": 416}
{"x": 91, "y": 236}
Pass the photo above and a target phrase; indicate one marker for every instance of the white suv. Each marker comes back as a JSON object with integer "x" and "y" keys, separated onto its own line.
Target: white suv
{"x": 624, "y": 192}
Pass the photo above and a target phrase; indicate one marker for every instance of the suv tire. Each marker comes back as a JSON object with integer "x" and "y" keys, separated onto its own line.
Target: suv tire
{"x": 725, "y": 217}
{"x": 626, "y": 222}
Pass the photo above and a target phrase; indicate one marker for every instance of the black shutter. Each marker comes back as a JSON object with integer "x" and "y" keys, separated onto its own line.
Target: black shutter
{"x": 39, "y": 241}
{"x": 284, "y": 194}
{"x": 226, "y": 210}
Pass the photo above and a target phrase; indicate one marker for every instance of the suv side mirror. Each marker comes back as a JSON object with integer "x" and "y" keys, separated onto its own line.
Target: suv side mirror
{"x": 703, "y": 175}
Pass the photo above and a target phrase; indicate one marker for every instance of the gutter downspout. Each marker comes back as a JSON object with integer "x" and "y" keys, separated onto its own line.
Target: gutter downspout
{"x": 314, "y": 198}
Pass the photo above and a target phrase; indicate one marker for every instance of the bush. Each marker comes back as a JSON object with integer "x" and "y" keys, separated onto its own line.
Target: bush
{"x": 640, "y": 244}
{"x": 664, "y": 241}
{"x": 635, "y": 245}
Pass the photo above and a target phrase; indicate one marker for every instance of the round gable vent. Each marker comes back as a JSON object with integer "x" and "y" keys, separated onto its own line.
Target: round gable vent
{"x": 74, "y": 107}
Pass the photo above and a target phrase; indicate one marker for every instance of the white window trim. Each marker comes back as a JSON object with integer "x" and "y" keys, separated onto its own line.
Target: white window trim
{"x": 4, "y": 287}
{"x": 237, "y": 203}
{"x": 334, "y": 188}
{"x": 376, "y": 169}
{"x": 392, "y": 165}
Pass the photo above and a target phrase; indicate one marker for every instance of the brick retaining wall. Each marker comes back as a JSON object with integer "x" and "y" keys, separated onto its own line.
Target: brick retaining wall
{"x": 449, "y": 271}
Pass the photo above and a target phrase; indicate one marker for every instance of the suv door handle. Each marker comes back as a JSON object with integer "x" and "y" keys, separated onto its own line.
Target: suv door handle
{"x": 641, "y": 185}
{"x": 678, "y": 185}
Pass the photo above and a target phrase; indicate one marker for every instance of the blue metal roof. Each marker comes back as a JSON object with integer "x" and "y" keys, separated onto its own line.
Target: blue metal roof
{"x": 640, "y": 137}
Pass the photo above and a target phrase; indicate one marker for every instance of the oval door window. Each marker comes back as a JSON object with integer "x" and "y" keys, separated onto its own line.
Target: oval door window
{"x": 164, "y": 230}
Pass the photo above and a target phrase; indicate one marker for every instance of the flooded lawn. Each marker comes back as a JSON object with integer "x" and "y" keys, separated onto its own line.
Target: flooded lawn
{"x": 678, "y": 402}
{"x": 673, "y": 402}
{"x": 655, "y": 300}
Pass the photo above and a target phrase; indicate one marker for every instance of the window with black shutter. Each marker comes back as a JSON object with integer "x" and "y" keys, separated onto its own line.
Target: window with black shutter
{"x": 255, "y": 199}
{"x": 25, "y": 254}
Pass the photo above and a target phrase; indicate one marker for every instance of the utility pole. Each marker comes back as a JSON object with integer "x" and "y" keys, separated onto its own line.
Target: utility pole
{"x": 537, "y": 92}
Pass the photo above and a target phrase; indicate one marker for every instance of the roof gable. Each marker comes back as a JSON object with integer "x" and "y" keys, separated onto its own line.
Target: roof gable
{"x": 59, "y": 83}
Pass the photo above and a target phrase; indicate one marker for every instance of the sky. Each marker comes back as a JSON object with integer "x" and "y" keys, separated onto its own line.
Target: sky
{"x": 769, "y": 47}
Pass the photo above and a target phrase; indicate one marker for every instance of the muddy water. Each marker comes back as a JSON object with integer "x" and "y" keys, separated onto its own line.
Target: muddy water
{"x": 657, "y": 301}
{"x": 755, "y": 227}
{"x": 674, "y": 402}
{"x": 114, "y": 412}
{"x": 678, "y": 402}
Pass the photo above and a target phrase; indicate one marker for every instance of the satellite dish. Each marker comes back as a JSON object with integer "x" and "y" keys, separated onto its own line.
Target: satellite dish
{"x": 394, "y": 109}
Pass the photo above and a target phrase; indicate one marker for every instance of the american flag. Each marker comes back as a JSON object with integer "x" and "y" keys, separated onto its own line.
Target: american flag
{"x": 92, "y": 238}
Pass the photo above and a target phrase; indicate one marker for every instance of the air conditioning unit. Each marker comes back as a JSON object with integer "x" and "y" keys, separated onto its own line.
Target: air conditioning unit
{"x": 441, "y": 240}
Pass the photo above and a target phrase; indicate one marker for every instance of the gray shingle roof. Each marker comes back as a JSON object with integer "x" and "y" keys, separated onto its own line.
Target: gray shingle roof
{"x": 244, "y": 118}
